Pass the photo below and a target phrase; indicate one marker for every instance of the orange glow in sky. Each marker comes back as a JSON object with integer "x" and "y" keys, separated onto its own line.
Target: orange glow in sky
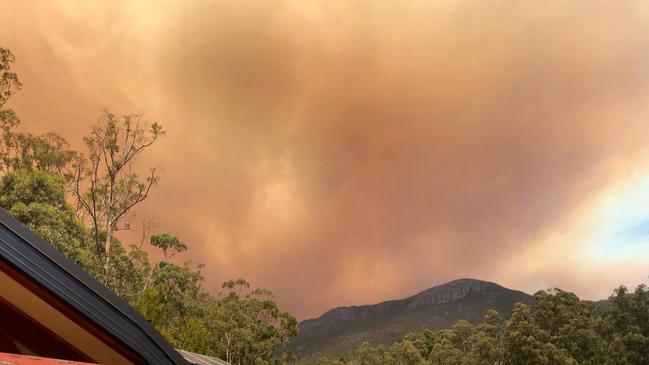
{"x": 349, "y": 152}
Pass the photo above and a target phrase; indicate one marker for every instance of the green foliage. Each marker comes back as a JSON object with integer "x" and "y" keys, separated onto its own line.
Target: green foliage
{"x": 37, "y": 198}
{"x": 368, "y": 355}
{"x": 242, "y": 325}
{"x": 171, "y": 296}
{"x": 249, "y": 325}
{"x": 9, "y": 84}
{"x": 558, "y": 329}
{"x": 24, "y": 151}
{"x": 49, "y": 152}
{"x": 170, "y": 245}
{"x": 105, "y": 183}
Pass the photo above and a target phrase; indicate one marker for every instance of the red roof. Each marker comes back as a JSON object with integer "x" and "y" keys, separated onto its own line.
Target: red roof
{"x": 13, "y": 359}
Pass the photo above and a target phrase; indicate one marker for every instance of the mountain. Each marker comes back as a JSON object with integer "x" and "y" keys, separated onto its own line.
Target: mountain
{"x": 340, "y": 330}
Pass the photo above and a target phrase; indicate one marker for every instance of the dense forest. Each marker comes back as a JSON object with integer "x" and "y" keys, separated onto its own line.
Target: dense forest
{"x": 78, "y": 200}
{"x": 557, "y": 329}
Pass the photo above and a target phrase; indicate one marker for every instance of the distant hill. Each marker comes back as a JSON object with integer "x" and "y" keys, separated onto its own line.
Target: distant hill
{"x": 340, "y": 330}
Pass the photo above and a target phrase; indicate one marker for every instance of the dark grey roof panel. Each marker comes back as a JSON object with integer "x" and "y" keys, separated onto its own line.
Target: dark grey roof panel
{"x": 50, "y": 269}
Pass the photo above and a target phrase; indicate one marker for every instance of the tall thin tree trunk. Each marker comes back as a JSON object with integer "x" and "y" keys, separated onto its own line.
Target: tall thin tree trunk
{"x": 109, "y": 233}
{"x": 109, "y": 227}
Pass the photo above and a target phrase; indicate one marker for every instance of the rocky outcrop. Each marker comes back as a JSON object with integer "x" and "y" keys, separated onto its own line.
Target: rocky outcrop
{"x": 452, "y": 292}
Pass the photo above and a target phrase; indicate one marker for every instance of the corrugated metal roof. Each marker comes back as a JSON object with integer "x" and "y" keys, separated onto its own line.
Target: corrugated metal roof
{"x": 14, "y": 359}
{"x": 198, "y": 359}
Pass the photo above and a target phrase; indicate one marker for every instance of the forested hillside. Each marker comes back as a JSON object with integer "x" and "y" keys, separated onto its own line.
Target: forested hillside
{"x": 557, "y": 328}
{"x": 340, "y": 330}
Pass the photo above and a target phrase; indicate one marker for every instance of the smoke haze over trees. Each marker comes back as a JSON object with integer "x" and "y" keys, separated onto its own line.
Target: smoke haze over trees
{"x": 441, "y": 139}
{"x": 77, "y": 201}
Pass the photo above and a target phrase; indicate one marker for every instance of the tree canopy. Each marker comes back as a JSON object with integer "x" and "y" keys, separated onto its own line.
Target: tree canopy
{"x": 77, "y": 201}
{"x": 557, "y": 329}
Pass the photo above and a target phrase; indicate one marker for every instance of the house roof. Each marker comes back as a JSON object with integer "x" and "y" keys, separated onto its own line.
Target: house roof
{"x": 13, "y": 359}
{"x": 71, "y": 286}
{"x": 198, "y": 359}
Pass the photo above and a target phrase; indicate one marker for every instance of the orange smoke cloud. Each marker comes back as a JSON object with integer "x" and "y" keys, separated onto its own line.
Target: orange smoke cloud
{"x": 347, "y": 153}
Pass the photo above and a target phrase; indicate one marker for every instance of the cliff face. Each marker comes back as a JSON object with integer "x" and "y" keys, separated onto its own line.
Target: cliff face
{"x": 452, "y": 292}
{"x": 341, "y": 329}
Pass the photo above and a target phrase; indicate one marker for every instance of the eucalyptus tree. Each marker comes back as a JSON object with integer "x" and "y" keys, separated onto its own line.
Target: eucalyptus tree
{"x": 9, "y": 84}
{"x": 105, "y": 182}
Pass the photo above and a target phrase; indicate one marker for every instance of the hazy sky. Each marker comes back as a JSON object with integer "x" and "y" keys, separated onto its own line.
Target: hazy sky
{"x": 347, "y": 152}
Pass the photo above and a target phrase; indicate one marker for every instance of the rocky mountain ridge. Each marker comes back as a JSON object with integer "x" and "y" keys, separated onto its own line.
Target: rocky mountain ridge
{"x": 341, "y": 329}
